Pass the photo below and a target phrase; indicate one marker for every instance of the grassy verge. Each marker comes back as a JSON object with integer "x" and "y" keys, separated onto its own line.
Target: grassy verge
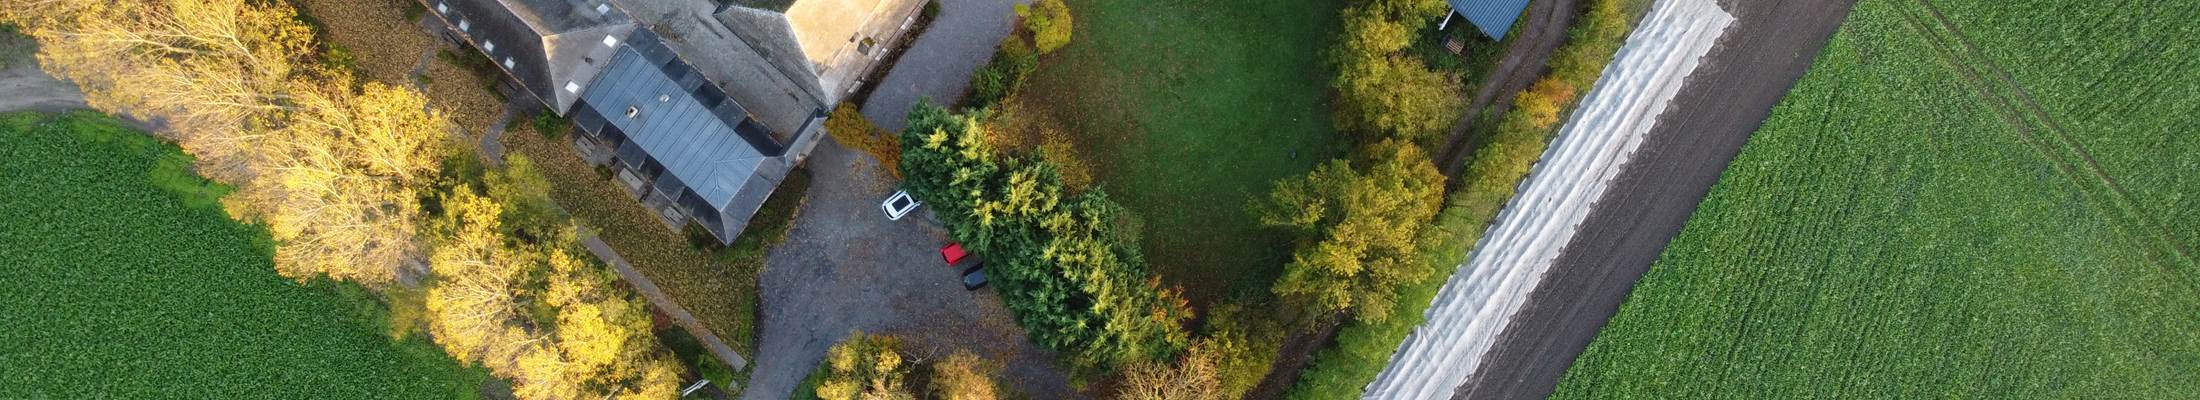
{"x": 1515, "y": 142}
{"x": 1185, "y": 111}
{"x": 125, "y": 281}
{"x": 1896, "y": 228}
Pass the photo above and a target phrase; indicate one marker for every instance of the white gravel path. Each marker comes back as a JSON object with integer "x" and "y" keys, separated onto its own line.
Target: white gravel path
{"x": 1480, "y": 298}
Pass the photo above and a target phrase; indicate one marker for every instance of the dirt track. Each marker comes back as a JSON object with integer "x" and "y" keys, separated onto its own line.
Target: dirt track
{"x": 1524, "y": 61}
{"x": 25, "y": 88}
{"x": 1770, "y": 46}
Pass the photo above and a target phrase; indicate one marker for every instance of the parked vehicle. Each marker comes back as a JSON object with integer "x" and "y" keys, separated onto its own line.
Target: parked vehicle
{"x": 953, "y": 253}
{"x": 899, "y": 205}
{"x": 972, "y": 268}
{"x": 974, "y": 276}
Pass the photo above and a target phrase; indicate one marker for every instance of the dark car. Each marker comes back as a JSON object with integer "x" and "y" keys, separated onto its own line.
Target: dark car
{"x": 974, "y": 276}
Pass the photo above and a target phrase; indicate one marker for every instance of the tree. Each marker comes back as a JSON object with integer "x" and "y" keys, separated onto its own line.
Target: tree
{"x": 1383, "y": 91}
{"x": 214, "y": 71}
{"x": 1049, "y": 23}
{"x": 1191, "y": 378}
{"x": 1360, "y": 228}
{"x": 1059, "y": 259}
{"x": 963, "y": 376}
{"x": 865, "y": 367}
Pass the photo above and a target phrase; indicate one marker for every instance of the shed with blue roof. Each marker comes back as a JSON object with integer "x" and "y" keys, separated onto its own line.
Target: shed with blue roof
{"x": 1492, "y": 17}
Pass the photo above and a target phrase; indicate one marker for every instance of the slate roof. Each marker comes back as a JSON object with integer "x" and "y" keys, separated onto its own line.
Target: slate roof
{"x": 548, "y": 43}
{"x": 1493, "y": 17}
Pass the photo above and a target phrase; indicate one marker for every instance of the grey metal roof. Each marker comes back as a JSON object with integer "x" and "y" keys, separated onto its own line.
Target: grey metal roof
{"x": 702, "y": 146}
{"x": 1493, "y": 17}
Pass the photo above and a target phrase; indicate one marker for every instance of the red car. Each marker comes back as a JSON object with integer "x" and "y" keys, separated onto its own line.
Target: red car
{"x": 973, "y": 275}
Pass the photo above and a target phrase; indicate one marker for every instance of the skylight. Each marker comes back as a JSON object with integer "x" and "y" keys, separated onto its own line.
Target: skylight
{"x": 442, "y": 8}
{"x": 462, "y": 24}
{"x": 571, "y": 87}
{"x": 603, "y": 8}
{"x": 609, "y": 41}
{"x": 488, "y": 46}
{"x": 507, "y": 63}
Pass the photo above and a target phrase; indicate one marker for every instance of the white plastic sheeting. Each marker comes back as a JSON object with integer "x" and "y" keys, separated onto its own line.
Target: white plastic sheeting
{"x": 1480, "y": 298}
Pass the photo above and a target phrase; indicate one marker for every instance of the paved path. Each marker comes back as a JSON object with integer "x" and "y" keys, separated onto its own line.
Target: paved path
{"x": 1770, "y": 46}
{"x": 845, "y": 267}
{"x": 492, "y": 141}
{"x": 649, "y": 290}
{"x": 939, "y": 64}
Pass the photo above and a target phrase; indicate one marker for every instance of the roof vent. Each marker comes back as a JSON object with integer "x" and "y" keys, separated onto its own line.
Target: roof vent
{"x": 631, "y": 112}
{"x": 663, "y": 98}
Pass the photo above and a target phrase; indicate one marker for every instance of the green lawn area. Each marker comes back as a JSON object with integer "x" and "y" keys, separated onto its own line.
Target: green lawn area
{"x": 1189, "y": 109}
{"x": 124, "y": 280}
{"x": 1906, "y": 226}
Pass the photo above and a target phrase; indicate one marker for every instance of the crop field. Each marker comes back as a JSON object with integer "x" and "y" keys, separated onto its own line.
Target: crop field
{"x": 126, "y": 280}
{"x": 1962, "y": 199}
{"x": 1189, "y": 110}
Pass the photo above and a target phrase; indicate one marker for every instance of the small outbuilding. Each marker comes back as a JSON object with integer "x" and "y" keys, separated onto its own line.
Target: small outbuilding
{"x": 1492, "y": 17}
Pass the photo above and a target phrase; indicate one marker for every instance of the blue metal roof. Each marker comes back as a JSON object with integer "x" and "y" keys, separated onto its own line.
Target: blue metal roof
{"x": 1493, "y": 17}
{"x": 701, "y": 146}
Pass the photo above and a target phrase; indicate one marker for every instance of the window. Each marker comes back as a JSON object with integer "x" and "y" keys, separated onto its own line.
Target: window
{"x": 462, "y": 25}
{"x": 610, "y": 41}
{"x": 571, "y": 87}
{"x": 442, "y": 8}
{"x": 488, "y": 46}
{"x": 507, "y": 63}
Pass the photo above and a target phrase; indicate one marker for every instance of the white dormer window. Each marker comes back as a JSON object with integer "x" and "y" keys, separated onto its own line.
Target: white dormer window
{"x": 507, "y": 63}
{"x": 462, "y": 25}
{"x": 571, "y": 87}
{"x": 603, "y": 8}
{"x": 442, "y": 8}
{"x": 609, "y": 41}
{"x": 488, "y": 46}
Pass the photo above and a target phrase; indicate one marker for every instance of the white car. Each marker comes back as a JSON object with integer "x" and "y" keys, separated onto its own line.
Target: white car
{"x": 899, "y": 205}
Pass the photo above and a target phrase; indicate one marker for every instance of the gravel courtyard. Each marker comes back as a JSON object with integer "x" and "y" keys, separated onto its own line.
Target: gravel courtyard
{"x": 844, "y": 267}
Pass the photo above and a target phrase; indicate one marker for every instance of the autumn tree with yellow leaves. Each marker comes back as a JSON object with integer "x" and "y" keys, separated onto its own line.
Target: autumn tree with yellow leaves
{"x": 1359, "y": 226}
{"x": 336, "y": 170}
{"x": 599, "y": 342}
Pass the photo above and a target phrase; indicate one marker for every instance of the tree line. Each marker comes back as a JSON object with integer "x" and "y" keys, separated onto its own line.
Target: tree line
{"x": 364, "y": 182}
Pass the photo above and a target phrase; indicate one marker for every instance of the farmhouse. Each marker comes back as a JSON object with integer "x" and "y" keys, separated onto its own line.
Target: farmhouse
{"x": 701, "y": 108}
{"x": 1492, "y": 17}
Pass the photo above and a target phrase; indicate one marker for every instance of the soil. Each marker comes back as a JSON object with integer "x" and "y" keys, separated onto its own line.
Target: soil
{"x": 1771, "y": 45}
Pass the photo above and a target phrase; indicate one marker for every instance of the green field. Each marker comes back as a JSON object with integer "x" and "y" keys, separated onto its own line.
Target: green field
{"x": 1191, "y": 109}
{"x": 124, "y": 280}
{"x": 1994, "y": 200}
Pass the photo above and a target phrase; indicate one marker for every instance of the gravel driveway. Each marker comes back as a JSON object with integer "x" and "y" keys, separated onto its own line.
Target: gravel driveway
{"x": 939, "y": 64}
{"x": 845, "y": 267}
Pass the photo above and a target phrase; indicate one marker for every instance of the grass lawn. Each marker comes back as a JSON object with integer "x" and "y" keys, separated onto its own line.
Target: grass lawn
{"x": 1905, "y": 225}
{"x": 1187, "y": 111}
{"x": 125, "y": 280}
